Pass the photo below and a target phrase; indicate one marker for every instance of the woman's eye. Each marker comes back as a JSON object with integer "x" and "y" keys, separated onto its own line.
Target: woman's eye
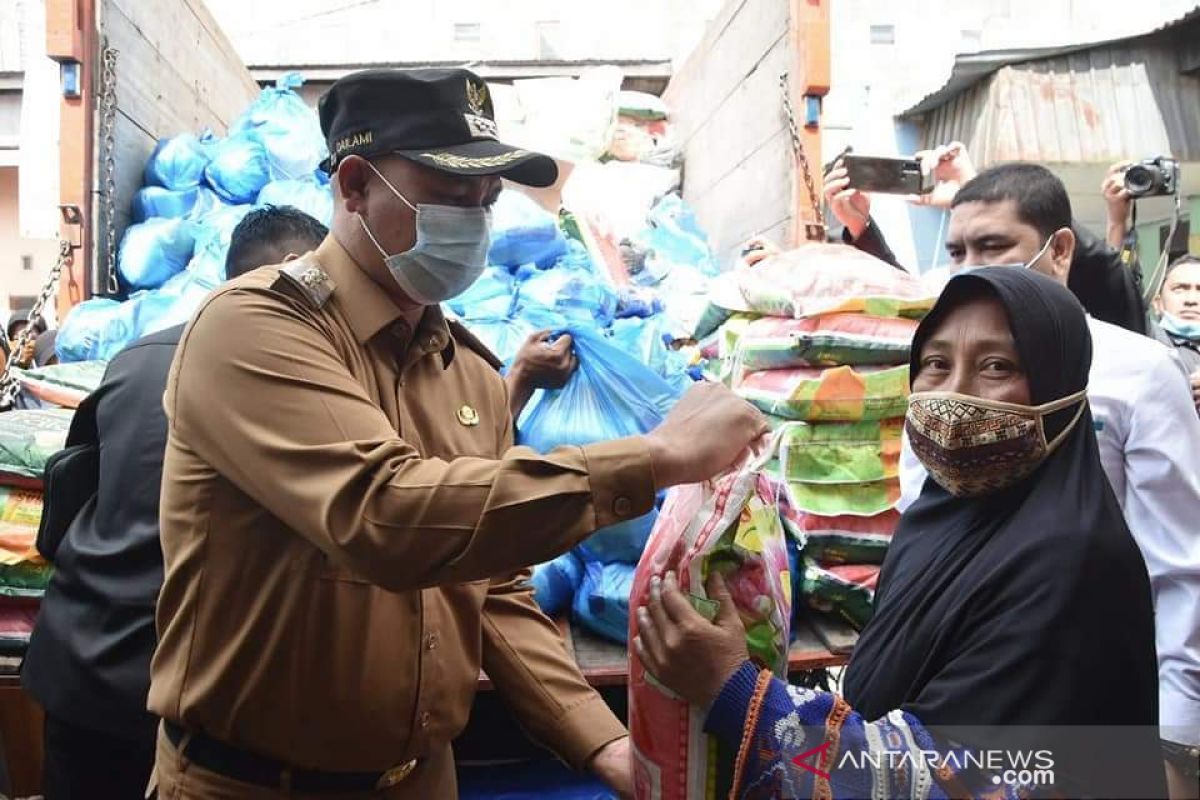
{"x": 935, "y": 363}
{"x": 998, "y": 366}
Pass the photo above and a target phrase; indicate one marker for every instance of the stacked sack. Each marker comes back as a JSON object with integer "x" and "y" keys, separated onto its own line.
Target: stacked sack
{"x": 27, "y": 440}
{"x": 821, "y": 335}
{"x": 196, "y": 189}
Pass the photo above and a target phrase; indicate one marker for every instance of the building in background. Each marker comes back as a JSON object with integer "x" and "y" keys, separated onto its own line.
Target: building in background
{"x": 889, "y": 55}
{"x": 24, "y": 262}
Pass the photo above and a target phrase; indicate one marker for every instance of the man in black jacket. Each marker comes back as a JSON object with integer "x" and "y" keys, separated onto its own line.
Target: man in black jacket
{"x": 1108, "y": 289}
{"x": 89, "y": 658}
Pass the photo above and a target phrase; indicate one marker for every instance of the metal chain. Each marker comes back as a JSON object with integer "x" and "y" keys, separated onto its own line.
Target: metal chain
{"x": 814, "y": 230}
{"x": 108, "y": 112}
{"x": 10, "y": 387}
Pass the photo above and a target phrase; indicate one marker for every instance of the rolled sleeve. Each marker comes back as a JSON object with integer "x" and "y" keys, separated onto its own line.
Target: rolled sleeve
{"x": 526, "y": 658}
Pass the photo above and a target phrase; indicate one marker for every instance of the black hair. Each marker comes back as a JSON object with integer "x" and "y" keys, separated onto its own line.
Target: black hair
{"x": 1041, "y": 199}
{"x": 256, "y": 239}
{"x": 19, "y": 317}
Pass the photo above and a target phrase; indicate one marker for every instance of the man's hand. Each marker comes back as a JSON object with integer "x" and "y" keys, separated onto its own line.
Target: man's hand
{"x": 1118, "y": 202}
{"x": 24, "y": 349}
{"x": 851, "y": 207}
{"x": 540, "y": 364}
{"x": 707, "y": 431}
{"x": 685, "y": 652}
{"x": 951, "y": 167}
{"x": 613, "y": 764}
{"x": 758, "y": 248}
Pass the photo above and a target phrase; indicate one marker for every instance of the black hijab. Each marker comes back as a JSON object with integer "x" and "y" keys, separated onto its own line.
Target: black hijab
{"x": 1030, "y": 606}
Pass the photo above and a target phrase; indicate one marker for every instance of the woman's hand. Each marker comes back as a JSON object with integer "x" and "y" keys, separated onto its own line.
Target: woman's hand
{"x": 685, "y": 652}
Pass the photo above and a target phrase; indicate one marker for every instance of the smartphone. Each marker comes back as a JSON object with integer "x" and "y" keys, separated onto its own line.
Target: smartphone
{"x": 887, "y": 175}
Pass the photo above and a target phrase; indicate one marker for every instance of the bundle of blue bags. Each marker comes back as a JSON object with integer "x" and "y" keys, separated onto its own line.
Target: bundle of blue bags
{"x": 196, "y": 190}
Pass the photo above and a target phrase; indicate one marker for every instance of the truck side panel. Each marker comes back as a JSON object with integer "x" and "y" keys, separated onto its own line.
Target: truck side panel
{"x": 176, "y": 73}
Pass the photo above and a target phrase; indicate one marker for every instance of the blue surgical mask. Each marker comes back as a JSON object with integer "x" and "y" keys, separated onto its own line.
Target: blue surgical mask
{"x": 450, "y": 253}
{"x": 1183, "y": 328}
{"x": 1027, "y": 265}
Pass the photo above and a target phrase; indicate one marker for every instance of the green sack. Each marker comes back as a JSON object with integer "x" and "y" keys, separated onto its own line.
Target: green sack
{"x": 28, "y": 439}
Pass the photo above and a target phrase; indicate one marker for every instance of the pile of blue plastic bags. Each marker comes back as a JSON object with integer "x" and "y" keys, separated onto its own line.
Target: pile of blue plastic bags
{"x": 196, "y": 190}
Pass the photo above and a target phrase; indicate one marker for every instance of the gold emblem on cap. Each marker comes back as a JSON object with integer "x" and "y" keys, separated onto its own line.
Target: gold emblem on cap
{"x": 476, "y": 96}
{"x": 468, "y": 416}
{"x": 466, "y": 162}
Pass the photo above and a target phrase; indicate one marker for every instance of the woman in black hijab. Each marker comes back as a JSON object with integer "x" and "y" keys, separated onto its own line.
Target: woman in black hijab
{"x": 1013, "y": 607}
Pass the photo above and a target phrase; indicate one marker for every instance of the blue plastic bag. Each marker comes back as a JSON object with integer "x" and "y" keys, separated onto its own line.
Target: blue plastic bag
{"x": 95, "y": 330}
{"x": 239, "y": 169}
{"x": 288, "y": 130}
{"x": 583, "y": 297}
{"x": 155, "y": 201}
{"x": 490, "y": 297}
{"x": 154, "y": 250}
{"x": 179, "y": 162}
{"x": 555, "y": 583}
{"x": 312, "y": 198}
{"x": 635, "y": 301}
{"x": 611, "y": 395}
{"x": 524, "y": 233}
{"x": 212, "y": 244}
{"x": 505, "y": 335}
{"x": 602, "y": 602}
{"x": 672, "y": 238}
{"x": 647, "y": 340}
{"x": 172, "y": 304}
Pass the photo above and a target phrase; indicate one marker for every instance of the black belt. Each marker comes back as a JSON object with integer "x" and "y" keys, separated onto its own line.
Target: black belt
{"x": 241, "y": 765}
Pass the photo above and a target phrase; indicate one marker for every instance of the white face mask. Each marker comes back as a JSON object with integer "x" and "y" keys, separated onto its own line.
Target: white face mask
{"x": 450, "y": 253}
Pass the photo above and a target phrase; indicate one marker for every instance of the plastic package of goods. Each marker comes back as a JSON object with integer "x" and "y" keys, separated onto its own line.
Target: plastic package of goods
{"x": 836, "y": 499}
{"x": 837, "y": 394}
{"x": 173, "y": 304}
{"x": 844, "y": 539}
{"x": 240, "y": 168}
{"x": 212, "y": 244}
{"x": 602, "y": 602}
{"x": 611, "y": 395}
{"x": 825, "y": 341}
{"x": 841, "y": 452}
{"x": 674, "y": 238}
{"x": 524, "y": 233}
{"x": 642, "y": 105}
{"x": 818, "y": 279}
{"x": 154, "y": 250}
{"x": 26, "y": 579}
{"x": 568, "y": 118}
{"x": 847, "y": 590}
{"x": 81, "y": 336}
{"x": 155, "y": 201}
{"x": 504, "y": 335}
{"x": 647, "y": 340}
{"x": 288, "y": 129}
{"x": 311, "y": 197}
{"x": 729, "y": 525}
{"x": 64, "y": 384}
{"x": 555, "y": 583}
{"x": 633, "y": 301}
{"x": 179, "y": 162}
{"x": 17, "y": 618}
{"x": 490, "y": 296}
{"x": 583, "y": 297}
{"x": 616, "y": 197}
{"x": 28, "y": 438}
{"x": 20, "y": 515}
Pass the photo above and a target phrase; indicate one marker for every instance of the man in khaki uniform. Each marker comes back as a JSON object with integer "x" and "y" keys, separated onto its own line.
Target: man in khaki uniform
{"x": 345, "y": 522}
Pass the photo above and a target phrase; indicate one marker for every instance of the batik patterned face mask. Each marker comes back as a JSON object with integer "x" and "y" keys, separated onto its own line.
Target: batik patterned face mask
{"x": 972, "y": 446}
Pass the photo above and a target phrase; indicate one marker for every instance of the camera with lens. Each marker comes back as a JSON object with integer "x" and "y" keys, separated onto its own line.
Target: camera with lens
{"x": 1153, "y": 177}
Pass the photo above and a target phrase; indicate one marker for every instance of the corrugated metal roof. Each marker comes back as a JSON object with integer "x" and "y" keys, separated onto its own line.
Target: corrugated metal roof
{"x": 1095, "y": 105}
{"x": 971, "y": 68}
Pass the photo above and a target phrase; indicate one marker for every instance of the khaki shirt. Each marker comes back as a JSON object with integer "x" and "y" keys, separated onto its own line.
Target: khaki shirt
{"x": 345, "y": 527}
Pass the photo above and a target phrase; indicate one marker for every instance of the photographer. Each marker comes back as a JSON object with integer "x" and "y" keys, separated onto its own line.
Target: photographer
{"x": 1108, "y": 290}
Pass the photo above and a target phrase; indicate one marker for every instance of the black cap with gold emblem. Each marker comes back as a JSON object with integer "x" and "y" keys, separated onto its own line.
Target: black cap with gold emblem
{"x": 442, "y": 118}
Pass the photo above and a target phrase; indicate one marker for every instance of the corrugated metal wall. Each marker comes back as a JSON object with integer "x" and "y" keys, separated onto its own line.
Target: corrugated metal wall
{"x": 1099, "y": 105}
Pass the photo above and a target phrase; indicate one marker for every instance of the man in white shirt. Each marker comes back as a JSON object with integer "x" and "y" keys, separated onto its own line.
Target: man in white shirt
{"x": 1147, "y": 429}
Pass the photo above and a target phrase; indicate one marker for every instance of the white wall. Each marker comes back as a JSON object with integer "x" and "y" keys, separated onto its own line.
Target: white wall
{"x": 15, "y": 281}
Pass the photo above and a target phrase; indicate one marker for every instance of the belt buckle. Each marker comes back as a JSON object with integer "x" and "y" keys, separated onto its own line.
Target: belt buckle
{"x": 396, "y": 774}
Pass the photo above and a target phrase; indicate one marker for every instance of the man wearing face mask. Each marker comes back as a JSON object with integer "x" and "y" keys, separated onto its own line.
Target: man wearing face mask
{"x": 1178, "y": 306}
{"x": 346, "y": 525}
{"x": 1147, "y": 430}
